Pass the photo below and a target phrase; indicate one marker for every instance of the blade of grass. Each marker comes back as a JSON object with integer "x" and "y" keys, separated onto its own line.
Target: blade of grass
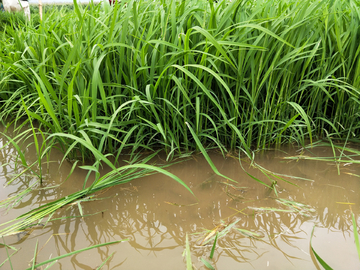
{"x": 203, "y": 151}
{"x": 75, "y": 252}
{"x": 207, "y": 264}
{"x": 319, "y": 259}
{"x": 188, "y": 254}
{"x": 356, "y": 236}
{"x": 213, "y": 247}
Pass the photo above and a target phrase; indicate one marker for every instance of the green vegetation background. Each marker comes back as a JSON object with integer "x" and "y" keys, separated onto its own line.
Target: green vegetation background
{"x": 242, "y": 73}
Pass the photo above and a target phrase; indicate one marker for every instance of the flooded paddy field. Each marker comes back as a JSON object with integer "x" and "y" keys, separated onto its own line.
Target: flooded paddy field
{"x": 99, "y": 81}
{"x": 154, "y": 214}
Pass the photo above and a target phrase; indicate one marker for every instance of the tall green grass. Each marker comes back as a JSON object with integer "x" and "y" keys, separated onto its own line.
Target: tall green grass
{"x": 242, "y": 74}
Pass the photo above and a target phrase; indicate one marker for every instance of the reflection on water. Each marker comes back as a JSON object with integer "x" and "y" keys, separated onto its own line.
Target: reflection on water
{"x": 155, "y": 214}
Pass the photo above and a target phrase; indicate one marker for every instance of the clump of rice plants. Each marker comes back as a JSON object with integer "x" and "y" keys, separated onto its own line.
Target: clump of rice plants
{"x": 242, "y": 74}
{"x": 9, "y": 19}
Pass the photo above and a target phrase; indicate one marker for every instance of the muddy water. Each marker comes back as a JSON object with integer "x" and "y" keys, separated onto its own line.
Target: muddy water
{"x": 155, "y": 213}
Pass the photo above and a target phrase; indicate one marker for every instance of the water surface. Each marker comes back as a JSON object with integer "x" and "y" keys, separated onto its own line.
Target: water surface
{"x": 155, "y": 213}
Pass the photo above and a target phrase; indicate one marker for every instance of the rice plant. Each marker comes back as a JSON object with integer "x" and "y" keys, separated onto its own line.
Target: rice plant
{"x": 52, "y": 261}
{"x": 241, "y": 74}
{"x": 356, "y": 238}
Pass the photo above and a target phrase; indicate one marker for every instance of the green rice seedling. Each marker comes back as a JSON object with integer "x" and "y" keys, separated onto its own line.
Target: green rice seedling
{"x": 357, "y": 243}
{"x": 8, "y": 19}
{"x": 293, "y": 207}
{"x": 203, "y": 151}
{"x": 7, "y": 247}
{"x": 116, "y": 176}
{"x": 248, "y": 233}
{"x": 356, "y": 236}
{"x": 188, "y": 255}
{"x": 341, "y": 154}
{"x": 54, "y": 260}
{"x": 213, "y": 247}
{"x": 271, "y": 209}
{"x": 273, "y": 177}
{"x": 34, "y": 259}
{"x": 319, "y": 259}
{"x": 15, "y": 142}
{"x": 207, "y": 264}
{"x": 243, "y": 75}
{"x": 104, "y": 262}
{"x": 301, "y": 208}
{"x": 219, "y": 231}
{"x": 40, "y": 151}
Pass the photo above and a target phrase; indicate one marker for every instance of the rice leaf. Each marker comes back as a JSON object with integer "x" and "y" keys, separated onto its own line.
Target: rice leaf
{"x": 213, "y": 247}
{"x": 319, "y": 259}
{"x": 203, "y": 151}
{"x": 207, "y": 264}
{"x": 74, "y": 252}
{"x": 188, "y": 255}
{"x": 356, "y": 236}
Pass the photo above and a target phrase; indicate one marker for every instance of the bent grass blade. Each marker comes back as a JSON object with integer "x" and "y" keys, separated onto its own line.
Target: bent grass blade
{"x": 219, "y": 231}
{"x": 35, "y": 252}
{"x": 356, "y": 236}
{"x": 271, "y": 209}
{"x": 7, "y": 253}
{"x": 213, "y": 247}
{"x": 301, "y": 208}
{"x": 75, "y": 252}
{"x": 188, "y": 254}
{"x": 207, "y": 264}
{"x": 118, "y": 176}
{"x": 319, "y": 259}
{"x": 248, "y": 233}
{"x": 203, "y": 151}
{"x": 104, "y": 262}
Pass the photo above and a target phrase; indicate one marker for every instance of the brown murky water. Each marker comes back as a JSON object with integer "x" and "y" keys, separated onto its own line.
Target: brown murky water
{"x": 155, "y": 213}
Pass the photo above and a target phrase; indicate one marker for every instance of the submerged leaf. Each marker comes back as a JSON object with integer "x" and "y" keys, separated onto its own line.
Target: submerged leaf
{"x": 188, "y": 254}
{"x": 207, "y": 264}
{"x": 356, "y": 236}
{"x": 213, "y": 247}
{"x": 75, "y": 252}
{"x": 320, "y": 260}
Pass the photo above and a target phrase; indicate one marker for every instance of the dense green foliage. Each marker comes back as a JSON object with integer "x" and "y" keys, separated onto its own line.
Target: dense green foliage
{"x": 8, "y": 19}
{"x": 98, "y": 80}
{"x": 242, "y": 74}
